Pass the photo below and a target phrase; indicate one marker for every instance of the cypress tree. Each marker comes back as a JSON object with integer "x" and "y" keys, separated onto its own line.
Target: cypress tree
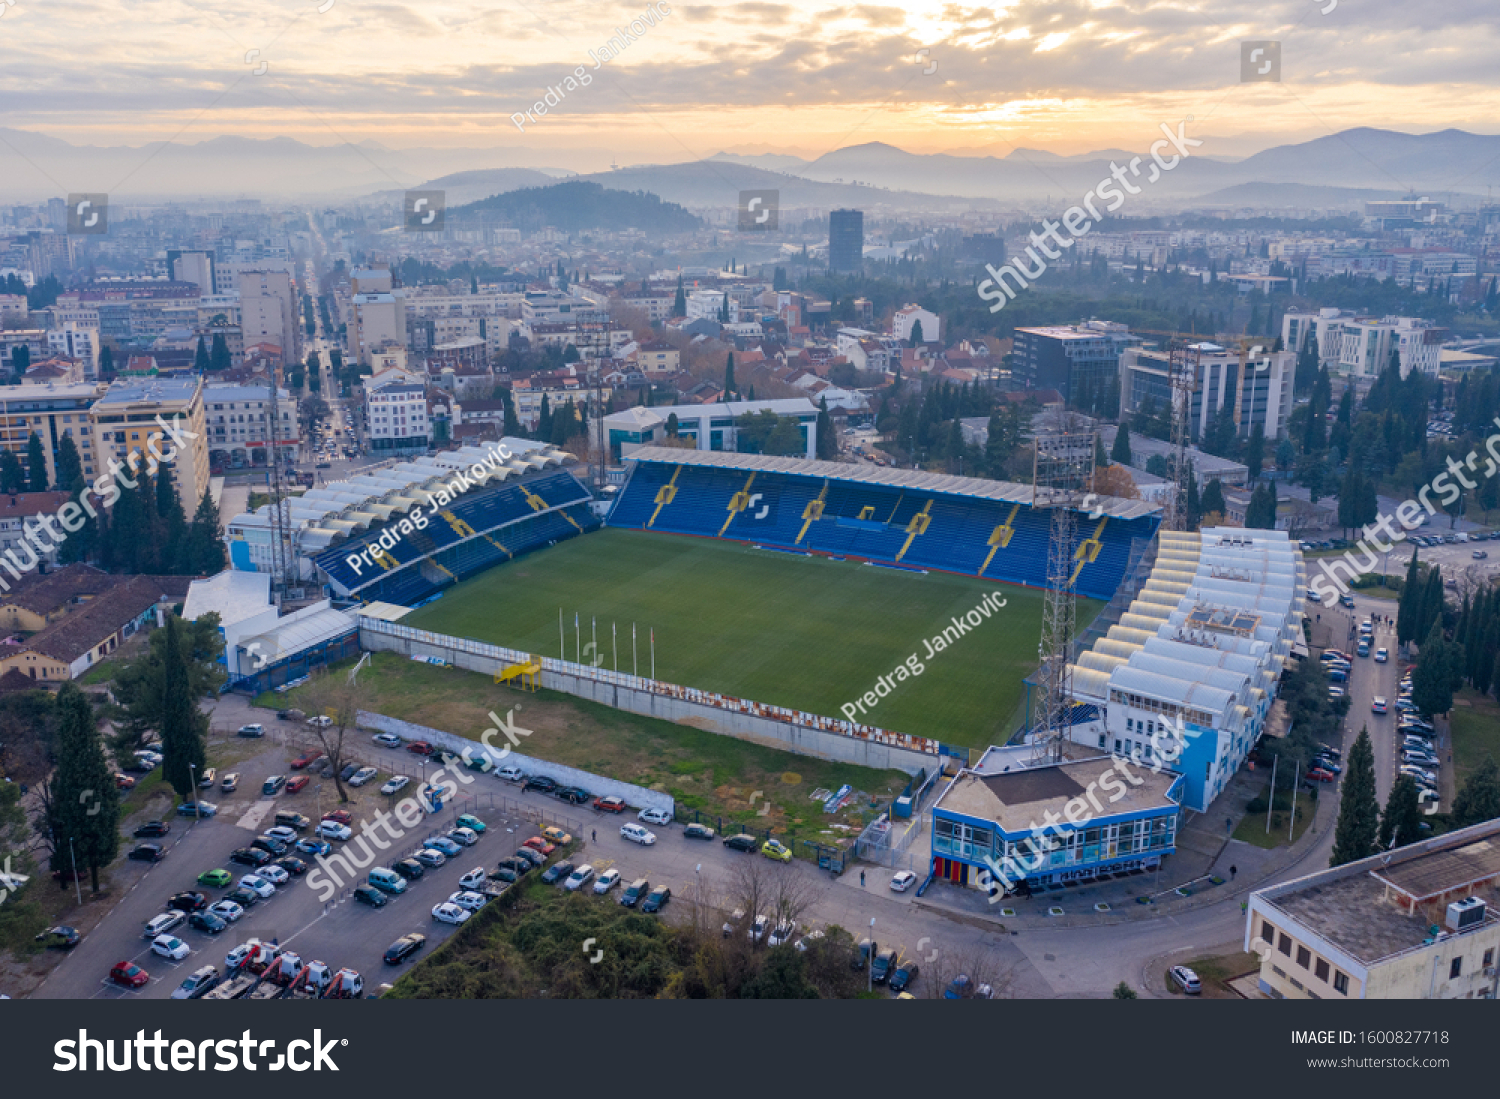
{"x": 200, "y": 357}
{"x": 36, "y": 464}
{"x": 83, "y": 812}
{"x": 1357, "y": 830}
{"x": 729, "y": 386}
{"x": 1478, "y": 800}
{"x": 173, "y": 523}
{"x": 1402, "y": 814}
{"x": 183, "y": 725}
{"x": 218, "y": 355}
{"x": 1408, "y": 607}
{"x": 1120, "y": 452}
{"x": 12, "y": 476}
{"x": 205, "y": 555}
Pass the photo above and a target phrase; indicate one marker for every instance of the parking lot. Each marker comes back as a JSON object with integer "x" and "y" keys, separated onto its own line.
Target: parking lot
{"x": 343, "y": 933}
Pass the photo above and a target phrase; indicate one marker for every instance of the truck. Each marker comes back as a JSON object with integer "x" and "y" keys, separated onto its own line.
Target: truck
{"x": 285, "y": 969}
{"x": 265, "y": 990}
{"x": 491, "y": 887}
{"x": 311, "y": 982}
{"x": 233, "y": 988}
{"x": 347, "y": 984}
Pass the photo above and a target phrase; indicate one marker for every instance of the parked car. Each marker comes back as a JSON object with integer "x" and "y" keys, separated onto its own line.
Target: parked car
{"x": 251, "y": 731}
{"x": 467, "y": 898}
{"x": 298, "y": 784}
{"x": 420, "y": 748}
{"x": 395, "y": 784}
{"x": 635, "y": 892}
{"x": 147, "y": 852}
{"x": 448, "y": 912}
{"x": 388, "y": 740}
{"x": 539, "y": 782}
{"x": 208, "y": 778}
{"x": 531, "y": 855}
{"x": 128, "y": 974}
{"x": 404, "y": 948}
{"x": 305, "y": 759}
{"x": 636, "y": 834}
{"x": 152, "y": 828}
{"x": 208, "y": 922}
{"x": 187, "y": 902}
{"x": 759, "y": 927}
{"x": 580, "y": 877}
{"x": 1318, "y": 774}
{"x": 742, "y": 842}
{"x": 167, "y": 922}
{"x": 654, "y": 816}
{"x": 881, "y": 967}
{"x": 369, "y": 895}
{"x": 170, "y": 947}
{"x": 782, "y": 933}
{"x": 657, "y": 900}
{"x": 511, "y": 774}
{"x": 311, "y": 845}
{"x": 333, "y": 830}
{"x": 430, "y": 857}
{"x": 230, "y": 783}
{"x": 464, "y": 837}
{"x": 607, "y": 881}
{"x": 472, "y": 823}
{"x": 574, "y": 795}
{"x": 697, "y": 831}
{"x": 217, "y": 879}
{"x": 410, "y": 869}
{"x": 258, "y": 885}
{"x": 557, "y": 872}
{"x": 775, "y": 849}
{"x": 197, "y": 809}
{"x": 362, "y": 776}
{"x": 272, "y": 845}
{"x": 1185, "y": 979}
{"x": 273, "y": 785}
{"x": 445, "y": 845}
{"x": 905, "y": 976}
{"x": 557, "y": 836}
{"x": 611, "y": 804}
{"x": 902, "y": 881}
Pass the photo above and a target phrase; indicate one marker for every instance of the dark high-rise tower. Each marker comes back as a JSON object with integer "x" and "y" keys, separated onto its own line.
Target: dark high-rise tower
{"x": 846, "y": 240}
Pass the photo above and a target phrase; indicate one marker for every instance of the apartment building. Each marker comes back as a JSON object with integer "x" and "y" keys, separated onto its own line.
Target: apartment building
{"x": 53, "y": 412}
{"x": 1367, "y": 344}
{"x": 269, "y": 311}
{"x": 243, "y": 425}
{"x": 129, "y": 415}
{"x": 1249, "y": 389}
{"x": 396, "y": 414}
{"x": 1082, "y": 361}
{"x": 657, "y": 357}
{"x": 1417, "y": 923}
{"x": 74, "y": 342}
{"x": 905, "y": 320}
{"x": 20, "y": 530}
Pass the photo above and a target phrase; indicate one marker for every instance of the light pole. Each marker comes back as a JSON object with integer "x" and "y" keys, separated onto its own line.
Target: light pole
{"x": 870, "y": 961}
{"x": 193, "y": 778}
{"x": 77, "y": 889}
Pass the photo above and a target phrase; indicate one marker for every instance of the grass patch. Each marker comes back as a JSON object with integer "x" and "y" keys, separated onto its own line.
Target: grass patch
{"x": 1215, "y": 973}
{"x": 708, "y": 771}
{"x": 1252, "y": 828}
{"x": 102, "y": 672}
{"x": 806, "y": 633}
{"x": 1476, "y": 733}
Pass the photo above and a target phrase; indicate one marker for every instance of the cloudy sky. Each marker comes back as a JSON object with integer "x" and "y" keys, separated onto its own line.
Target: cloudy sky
{"x": 1068, "y": 76}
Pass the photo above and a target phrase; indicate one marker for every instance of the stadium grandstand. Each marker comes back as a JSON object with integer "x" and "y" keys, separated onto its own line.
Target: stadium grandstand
{"x": 900, "y": 518}
{"x": 402, "y": 533}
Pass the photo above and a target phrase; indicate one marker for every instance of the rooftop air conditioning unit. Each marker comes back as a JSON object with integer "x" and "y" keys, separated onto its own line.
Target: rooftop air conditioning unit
{"x": 1467, "y": 913}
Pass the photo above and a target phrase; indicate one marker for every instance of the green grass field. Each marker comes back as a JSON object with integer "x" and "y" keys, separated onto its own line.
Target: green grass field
{"x": 807, "y": 633}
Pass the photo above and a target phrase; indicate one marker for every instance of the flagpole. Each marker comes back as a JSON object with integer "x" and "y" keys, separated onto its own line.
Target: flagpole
{"x": 653, "y": 652}
{"x": 635, "y": 668}
{"x": 613, "y": 645}
{"x": 577, "y": 640}
{"x": 562, "y": 637}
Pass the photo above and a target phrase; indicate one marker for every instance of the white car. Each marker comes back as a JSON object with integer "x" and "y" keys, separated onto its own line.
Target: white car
{"x": 654, "y": 816}
{"x": 511, "y": 774}
{"x": 448, "y": 912}
{"x": 362, "y": 776}
{"x": 395, "y": 785}
{"x": 636, "y": 834}
{"x": 227, "y": 911}
{"x": 233, "y": 959}
{"x": 902, "y": 881}
{"x": 258, "y": 885}
{"x": 466, "y": 836}
{"x": 783, "y": 932}
{"x": 388, "y": 740}
{"x": 474, "y": 878}
{"x": 321, "y": 721}
{"x": 273, "y": 874}
{"x": 169, "y": 946}
{"x": 283, "y": 833}
{"x": 579, "y": 878}
{"x": 333, "y": 830}
{"x": 467, "y": 899}
{"x": 607, "y": 881}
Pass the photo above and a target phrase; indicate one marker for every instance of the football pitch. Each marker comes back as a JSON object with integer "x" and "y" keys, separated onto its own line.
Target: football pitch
{"x": 803, "y": 632}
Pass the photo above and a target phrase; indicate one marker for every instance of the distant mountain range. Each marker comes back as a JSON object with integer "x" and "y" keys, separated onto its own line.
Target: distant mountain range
{"x": 1337, "y": 170}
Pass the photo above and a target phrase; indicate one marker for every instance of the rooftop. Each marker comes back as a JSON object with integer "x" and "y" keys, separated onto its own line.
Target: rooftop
{"x": 151, "y": 391}
{"x": 1019, "y": 801}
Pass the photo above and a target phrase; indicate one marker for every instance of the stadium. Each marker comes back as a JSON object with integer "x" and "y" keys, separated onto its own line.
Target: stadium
{"x": 812, "y": 585}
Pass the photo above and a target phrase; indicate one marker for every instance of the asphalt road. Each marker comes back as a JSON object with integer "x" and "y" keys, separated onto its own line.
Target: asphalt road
{"x": 342, "y": 933}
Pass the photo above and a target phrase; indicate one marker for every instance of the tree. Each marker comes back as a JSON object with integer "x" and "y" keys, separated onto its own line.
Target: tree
{"x": 781, "y": 978}
{"x": 80, "y": 544}
{"x": 1124, "y": 992}
{"x": 20, "y": 359}
{"x": 184, "y": 727}
{"x": 828, "y": 446}
{"x": 1255, "y": 451}
{"x": 916, "y": 334}
{"x": 1213, "y": 498}
{"x": 106, "y": 361}
{"x": 338, "y": 696}
{"x": 544, "y": 420}
{"x": 1358, "y": 825}
{"x": 1402, "y": 815}
{"x": 1156, "y": 465}
{"x": 673, "y": 425}
{"x": 1433, "y": 681}
{"x": 1408, "y": 608}
{"x": 1115, "y": 481}
{"x": 205, "y": 540}
{"x": 1260, "y": 514}
{"x": 36, "y": 464}
{"x": 997, "y": 446}
{"x": 83, "y": 811}
{"x": 1478, "y": 800}
{"x": 1120, "y": 452}
{"x": 172, "y": 521}
{"x": 12, "y": 476}
{"x": 200, "y": 357}
{"x": 218, "y": 355}
{"x": 729, "y": 386}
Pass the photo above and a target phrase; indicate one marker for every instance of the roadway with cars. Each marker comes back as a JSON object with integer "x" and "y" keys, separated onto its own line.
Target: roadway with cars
{"x": 343, "y": 933}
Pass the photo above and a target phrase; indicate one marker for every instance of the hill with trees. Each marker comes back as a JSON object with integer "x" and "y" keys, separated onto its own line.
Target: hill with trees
{"x": 576, "y": 205}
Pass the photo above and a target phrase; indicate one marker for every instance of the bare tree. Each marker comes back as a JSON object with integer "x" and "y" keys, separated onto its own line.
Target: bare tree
{"x": 334, "y": 700}
{"x": 751, "y": 890}
{"x": 791, "y": 895}
{"x": 983, "y": 979}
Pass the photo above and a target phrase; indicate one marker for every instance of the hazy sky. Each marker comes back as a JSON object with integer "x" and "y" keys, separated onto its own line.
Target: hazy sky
{"x": 1068, "y": 76}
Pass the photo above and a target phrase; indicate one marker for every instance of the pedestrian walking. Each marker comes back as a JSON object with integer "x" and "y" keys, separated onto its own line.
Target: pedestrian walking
{"x": 861, "y": 879}
{"x": 594, "y": 835}
{"x": 1233, "y": 870}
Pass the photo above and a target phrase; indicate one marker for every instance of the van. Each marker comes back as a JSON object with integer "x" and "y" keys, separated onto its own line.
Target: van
{"x": 387, "y": 881}
{"x": 288, "y": 819}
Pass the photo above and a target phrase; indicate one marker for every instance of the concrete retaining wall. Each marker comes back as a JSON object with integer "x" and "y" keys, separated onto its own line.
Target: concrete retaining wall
{"x": 638, "y": 797}
{"x": 786, "y": 735}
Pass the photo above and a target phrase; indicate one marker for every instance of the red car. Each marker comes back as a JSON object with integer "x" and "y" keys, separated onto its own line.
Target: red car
{"x": 298, "y": 783}
{"x": 304, "y": 759}
{"x": 342, "y": 816}
{"x": 1317, "y": 774}
{"x": 610, "y": 804}
{"x": 128, "y": 974}
{"x": 536, "y": 843}
{"x": 124, "y": 782}
{"x": 420, "y": 747}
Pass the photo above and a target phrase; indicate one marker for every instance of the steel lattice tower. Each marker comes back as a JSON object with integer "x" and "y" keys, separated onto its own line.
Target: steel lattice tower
{"x": 1063, "y": 475}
